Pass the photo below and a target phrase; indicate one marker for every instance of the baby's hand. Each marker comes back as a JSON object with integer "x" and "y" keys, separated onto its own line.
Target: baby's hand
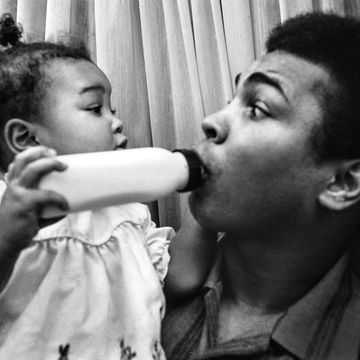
{"x": 23, "y": 201}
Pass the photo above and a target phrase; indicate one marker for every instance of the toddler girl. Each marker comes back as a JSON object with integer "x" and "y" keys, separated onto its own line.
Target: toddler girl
{"x": 88, "y": 286}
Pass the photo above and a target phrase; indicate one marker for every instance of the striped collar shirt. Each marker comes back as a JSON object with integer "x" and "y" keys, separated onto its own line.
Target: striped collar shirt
{"x": 323, "y": 325}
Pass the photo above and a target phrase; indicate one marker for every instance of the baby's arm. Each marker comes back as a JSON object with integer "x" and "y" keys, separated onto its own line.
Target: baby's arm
{"x": 22, "y": 202}
{"x": 192, "y": 253}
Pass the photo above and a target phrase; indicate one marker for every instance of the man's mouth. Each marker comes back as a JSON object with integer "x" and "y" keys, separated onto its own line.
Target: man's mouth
{"x": 205, "y": 172}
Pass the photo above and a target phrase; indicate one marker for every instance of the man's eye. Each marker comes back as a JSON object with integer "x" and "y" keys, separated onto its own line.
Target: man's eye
{"x": 257, "y": 112}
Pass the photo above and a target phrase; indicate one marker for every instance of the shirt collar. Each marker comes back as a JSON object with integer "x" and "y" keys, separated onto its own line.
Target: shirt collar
{"x": 214, "y": 275}
{"x": 313, "y": 320}
{"x": 323, "y": 320}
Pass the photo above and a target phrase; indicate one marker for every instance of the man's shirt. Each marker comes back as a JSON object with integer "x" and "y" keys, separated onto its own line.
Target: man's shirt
{"x": 324, "y": 324}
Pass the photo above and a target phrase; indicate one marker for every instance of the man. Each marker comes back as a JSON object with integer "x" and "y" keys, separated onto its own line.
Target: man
{"x": 283, "y": 184}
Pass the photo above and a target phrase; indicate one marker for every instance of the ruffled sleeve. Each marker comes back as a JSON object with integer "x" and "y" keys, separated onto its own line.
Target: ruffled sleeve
{"x": 158, "y": 241}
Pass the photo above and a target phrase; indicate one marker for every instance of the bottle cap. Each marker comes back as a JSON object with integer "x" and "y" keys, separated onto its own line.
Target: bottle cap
{"x": 195, "y": 169}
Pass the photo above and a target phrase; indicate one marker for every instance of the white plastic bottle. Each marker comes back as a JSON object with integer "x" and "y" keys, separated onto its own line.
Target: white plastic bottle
{"x": 95, "y": 180}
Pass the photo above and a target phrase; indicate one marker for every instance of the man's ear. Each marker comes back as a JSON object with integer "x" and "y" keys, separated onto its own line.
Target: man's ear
{"x": 343, "y": 189}
{"x": 19, "y": 135}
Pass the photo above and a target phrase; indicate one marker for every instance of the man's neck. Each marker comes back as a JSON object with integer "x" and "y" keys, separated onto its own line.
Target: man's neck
{"x": 269, "y": 276}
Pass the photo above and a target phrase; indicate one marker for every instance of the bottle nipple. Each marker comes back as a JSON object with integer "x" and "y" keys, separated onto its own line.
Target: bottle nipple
{"x": 195, "y": 169}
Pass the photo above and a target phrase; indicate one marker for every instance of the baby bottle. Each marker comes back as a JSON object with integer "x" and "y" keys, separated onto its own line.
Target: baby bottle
{"x": 95, "y": 180}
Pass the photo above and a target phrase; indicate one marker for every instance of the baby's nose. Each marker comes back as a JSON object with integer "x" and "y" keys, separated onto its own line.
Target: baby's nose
{"x": 117, "y": 125}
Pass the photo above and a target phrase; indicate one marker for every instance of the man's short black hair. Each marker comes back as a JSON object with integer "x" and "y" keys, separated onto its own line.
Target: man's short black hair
{"x": 331, "y": 41}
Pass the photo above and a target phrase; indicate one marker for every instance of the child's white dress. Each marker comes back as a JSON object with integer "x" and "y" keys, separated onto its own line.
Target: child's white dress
{"x": 92, "y": 281}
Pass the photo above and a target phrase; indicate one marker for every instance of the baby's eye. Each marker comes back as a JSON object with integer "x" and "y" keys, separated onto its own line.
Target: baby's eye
{"x": 95, "y": 109}
{"x": 113, "y": 111}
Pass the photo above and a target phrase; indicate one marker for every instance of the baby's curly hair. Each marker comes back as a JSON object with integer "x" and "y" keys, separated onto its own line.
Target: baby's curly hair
{"x": 23, "y": 81}
{"x": 333, "y": 42}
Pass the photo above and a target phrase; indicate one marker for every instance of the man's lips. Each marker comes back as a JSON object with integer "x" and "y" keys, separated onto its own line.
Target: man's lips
{"x": 205, "y": 173}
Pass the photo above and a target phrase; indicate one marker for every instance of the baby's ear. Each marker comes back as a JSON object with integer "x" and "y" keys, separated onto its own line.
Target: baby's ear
{"x": 19, "y": 135}
{"x": 343, "y": 189}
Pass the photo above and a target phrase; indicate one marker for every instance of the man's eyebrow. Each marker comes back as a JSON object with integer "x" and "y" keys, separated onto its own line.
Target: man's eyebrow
{"x": 259, "y": 77}
{"x": 92, "y": 88}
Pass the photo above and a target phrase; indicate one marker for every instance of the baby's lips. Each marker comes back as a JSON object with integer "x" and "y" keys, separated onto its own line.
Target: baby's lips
{"x": 122, "y": 144}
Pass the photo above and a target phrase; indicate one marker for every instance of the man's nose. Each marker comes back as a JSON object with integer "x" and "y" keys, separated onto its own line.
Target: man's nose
{"x": 215, "y": 128}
